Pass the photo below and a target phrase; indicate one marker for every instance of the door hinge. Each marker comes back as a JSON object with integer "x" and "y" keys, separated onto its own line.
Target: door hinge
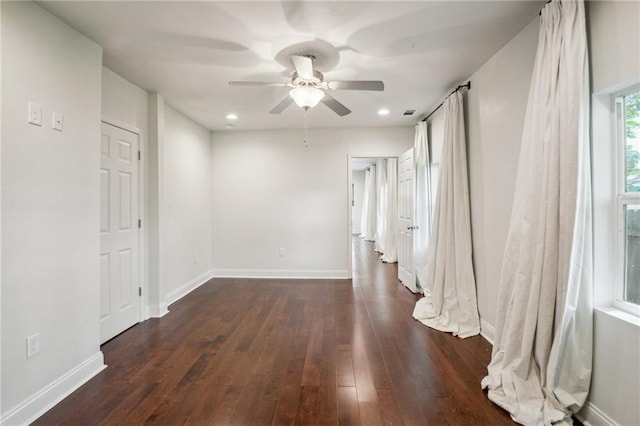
{"x": 139, "y": 156}
{"x": 139, "y": 223}
{"x": 139, "y": 291}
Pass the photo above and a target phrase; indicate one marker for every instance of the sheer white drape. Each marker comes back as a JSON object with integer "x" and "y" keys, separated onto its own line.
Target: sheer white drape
{"x": 364, "y": 215}
{"x": 450, "y": 302}
{"x": 541, "y": 361}
{"x": 390, "y": 253}
{"x": 369, "y": 212}
{"x": 422, "y": 214}
{"x": 381, "y": 206}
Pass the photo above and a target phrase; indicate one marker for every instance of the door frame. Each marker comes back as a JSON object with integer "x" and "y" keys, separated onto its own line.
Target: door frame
{"x": 350, "y": 207}
{"x": 142, "y": 234}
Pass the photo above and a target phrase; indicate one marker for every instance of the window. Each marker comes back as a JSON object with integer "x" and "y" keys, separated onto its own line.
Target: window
{"x": 628, "y": 145}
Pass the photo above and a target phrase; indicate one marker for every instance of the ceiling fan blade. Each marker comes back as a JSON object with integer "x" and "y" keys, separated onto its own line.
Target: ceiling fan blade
{"x": 282, "y": 105}
{"x": 257, "y": 83}
{"x": 334, "y": 105}
{"x": 303, "y": 66}
{"x": 375, "y": 85}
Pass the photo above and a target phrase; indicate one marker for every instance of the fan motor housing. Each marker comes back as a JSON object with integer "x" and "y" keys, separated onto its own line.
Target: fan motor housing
{"x": 318, "y": 78}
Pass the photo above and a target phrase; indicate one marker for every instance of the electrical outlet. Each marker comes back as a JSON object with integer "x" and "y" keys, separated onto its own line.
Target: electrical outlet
{"x": 282, "y": 252}
{"x": 33, "y": 345}
{"x": 195, "y": 258}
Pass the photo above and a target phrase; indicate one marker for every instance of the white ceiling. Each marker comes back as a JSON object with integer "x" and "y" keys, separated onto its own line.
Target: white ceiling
{"x": 188, "y": 51}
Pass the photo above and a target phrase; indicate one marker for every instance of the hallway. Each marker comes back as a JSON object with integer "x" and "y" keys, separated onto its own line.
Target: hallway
{"x": 263, "y": 351}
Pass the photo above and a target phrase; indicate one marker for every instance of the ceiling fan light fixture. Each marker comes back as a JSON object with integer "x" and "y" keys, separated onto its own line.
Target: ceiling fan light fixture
{"x": 306, "y": 97}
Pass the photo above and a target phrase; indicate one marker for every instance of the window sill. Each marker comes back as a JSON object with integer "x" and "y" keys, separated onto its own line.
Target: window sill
{"x": 621, "y": 315}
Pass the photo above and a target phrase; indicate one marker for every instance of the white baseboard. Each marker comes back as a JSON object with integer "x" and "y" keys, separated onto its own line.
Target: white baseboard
{"x": 590, "y": 415}
{"x": 42, "y": 401}
{"x": 158, "y": 311}
{"x": 337, "y": 274}
{"x": 187, "y": 288}
{"x": 487, "y": 330}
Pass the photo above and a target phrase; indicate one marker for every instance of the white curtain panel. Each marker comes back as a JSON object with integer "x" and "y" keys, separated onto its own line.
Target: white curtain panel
{"x": 391, "y": 229}
{"x": 450, "y": 302}
{"x": 364, "y": 216}
{"x": 369, "y": 229}
{"x": 422, "y": 214}
{"x": 381, "y": 204}
{"x": 541, "y": 361}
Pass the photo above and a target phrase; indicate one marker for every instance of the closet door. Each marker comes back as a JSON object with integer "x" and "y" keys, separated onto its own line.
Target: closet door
{"x": 119, "y": 238}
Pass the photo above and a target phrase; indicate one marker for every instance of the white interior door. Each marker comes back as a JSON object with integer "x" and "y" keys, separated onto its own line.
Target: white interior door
{"x": 406, "y": 267}
{"x": 119, "y": 238}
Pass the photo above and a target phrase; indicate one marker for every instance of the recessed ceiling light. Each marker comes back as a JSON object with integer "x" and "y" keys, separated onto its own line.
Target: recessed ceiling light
{"x": 229, "y": 126}
{"x": 232, "y": 116}
{"x": 383, "y": 111}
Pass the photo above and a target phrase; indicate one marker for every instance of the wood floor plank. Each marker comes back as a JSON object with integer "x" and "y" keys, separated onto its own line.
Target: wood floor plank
{"x": 262, "y": 352}
{"x": 345, "y": 366}
{"x": 348, "y": 411}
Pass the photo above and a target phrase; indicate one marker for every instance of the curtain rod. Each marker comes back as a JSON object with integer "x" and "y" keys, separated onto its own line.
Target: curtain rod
{"x": 462, "y": 86}
{"x": 545, "y": 5}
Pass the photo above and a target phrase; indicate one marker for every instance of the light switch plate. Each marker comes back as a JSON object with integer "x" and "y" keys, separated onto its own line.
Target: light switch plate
{"x": 58, "y": 121}
{"x": 35, "y": 114}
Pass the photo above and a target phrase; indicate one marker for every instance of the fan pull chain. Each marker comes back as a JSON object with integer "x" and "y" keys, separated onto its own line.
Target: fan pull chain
{"x": 306, "y": 130}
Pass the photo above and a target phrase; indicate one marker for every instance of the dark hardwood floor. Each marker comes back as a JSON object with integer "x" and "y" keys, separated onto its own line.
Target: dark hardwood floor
{"x": 260, "y": 352}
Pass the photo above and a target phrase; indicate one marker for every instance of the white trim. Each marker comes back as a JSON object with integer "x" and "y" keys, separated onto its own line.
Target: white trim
{"x": 590, "y": 415}
{"x": 623, "y": 198}
{"x": 42, "y": 401}
{"x": 121, "y": 124}
{"x": 632, "y": 319}
{"x": 158, "y": 311}
{"x": 487, "y": 330}
{"x": 336, "y": 274}
{"x": 187, "y": 288}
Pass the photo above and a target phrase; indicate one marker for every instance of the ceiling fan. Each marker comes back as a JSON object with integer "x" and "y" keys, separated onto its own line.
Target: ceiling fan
{"x": 309, "y": 88}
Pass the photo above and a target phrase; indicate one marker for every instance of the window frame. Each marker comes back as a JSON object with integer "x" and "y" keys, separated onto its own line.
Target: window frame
{"x": 623, "y": 198}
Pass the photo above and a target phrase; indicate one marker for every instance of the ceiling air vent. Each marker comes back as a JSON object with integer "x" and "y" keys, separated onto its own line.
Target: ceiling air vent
{"x": 409, "y": 112}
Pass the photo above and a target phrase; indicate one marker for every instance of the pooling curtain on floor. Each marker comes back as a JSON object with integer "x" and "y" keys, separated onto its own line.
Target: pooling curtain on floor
{"x": 450, "y": 302}
{"x": 422, "y": 214}
{"x": 541, "y": 361}
{"x": 368, "y": 223}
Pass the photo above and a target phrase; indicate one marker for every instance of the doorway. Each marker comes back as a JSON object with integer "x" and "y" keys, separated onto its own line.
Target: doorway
{"x": 364, "y": 191}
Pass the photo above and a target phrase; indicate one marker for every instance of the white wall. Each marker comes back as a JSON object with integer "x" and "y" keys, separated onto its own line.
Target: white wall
{"x": 614, "y": 35}
{"x": 50, "y": 210}
{"x": 271, "y": 192}
{"x": 614, "y": 38}
{"x": 125, "y": 102}
{"x": 186, "y": 206}
{"x": 357, "y": 179}
{"x": 495, "y": 109}
{"x": 0, "y": 223}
